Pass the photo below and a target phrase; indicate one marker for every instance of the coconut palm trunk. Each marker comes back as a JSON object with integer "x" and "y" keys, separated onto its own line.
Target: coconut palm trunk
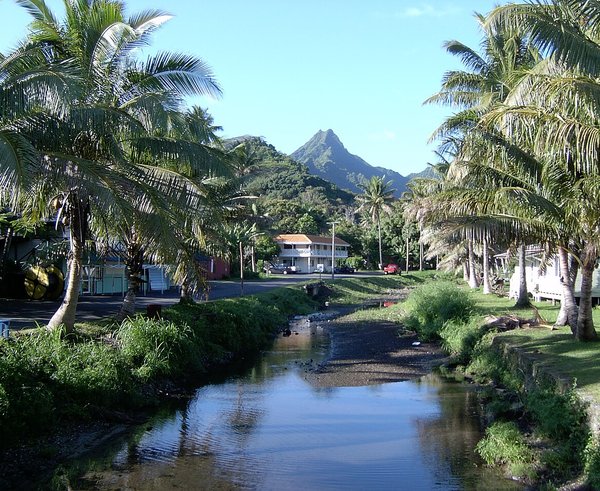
{"x": 523, "y": 298}
{"x": 379, "y": 237}
{"x": 487, "y": 289}
{"x": 7, "y": 240}
{"x": 568, "y": 307}
{"x": 473, "y": 283}
{"x": 585, "y": 322}
{"x": 78, "y": 213}
{"x": 134, "y": 267}
{"x": 407, "y": 253}
{"x": 241, "y": 251}
{"x": 185, "y": 293}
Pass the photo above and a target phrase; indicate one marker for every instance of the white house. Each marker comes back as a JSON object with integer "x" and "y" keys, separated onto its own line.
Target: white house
{"x": 310, "y": 253}
{"x": 544, "y": 283}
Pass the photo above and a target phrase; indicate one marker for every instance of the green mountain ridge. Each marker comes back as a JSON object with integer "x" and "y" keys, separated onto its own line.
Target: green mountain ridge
{"x": 325, "y": 156}
{"x": 279, "y": 176}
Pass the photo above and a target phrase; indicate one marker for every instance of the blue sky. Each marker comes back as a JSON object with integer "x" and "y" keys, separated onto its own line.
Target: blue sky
{"x": 289, "y": 68}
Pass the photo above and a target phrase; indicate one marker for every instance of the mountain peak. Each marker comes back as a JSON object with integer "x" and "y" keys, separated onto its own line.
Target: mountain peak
{"x": 326, "y": 157}
{"x": 327, "y": 138}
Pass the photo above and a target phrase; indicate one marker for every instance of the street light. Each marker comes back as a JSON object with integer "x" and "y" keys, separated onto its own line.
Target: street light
{"x": 332, "y": 249}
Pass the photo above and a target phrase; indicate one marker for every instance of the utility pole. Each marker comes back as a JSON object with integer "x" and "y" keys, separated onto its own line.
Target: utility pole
{"x": 332, "y": 249}
{"x": 407, "y": 249}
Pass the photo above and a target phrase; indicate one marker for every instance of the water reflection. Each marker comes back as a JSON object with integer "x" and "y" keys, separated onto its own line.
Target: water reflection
{"x": 270, "y": 429}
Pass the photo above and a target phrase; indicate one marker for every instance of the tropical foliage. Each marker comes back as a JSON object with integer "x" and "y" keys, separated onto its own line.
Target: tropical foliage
{"x": 522, "y": 147}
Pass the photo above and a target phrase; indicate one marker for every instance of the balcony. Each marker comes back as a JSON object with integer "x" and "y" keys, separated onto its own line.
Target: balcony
{"x": 304, "y": 252}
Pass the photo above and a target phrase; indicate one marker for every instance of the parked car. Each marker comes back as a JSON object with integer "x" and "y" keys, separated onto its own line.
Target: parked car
{"x": 344, "y": 269}
{"x": 280, "y": 268}
{"x": 391, "y": 269}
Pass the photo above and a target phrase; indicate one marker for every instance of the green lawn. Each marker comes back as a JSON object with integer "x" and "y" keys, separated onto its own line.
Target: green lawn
{"x": 555, "y": 349}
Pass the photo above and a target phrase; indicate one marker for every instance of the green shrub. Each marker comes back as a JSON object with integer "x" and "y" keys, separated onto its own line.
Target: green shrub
{"x": 45, "y": 375}
{"x": 592, "y": 463}
{"x": 93, "y": 371}
{"x": 559, "y": 417}
{"x": 459, "y": 337}
{"x": 159, "y": 348}
{"x": 504, "y": 444}
{"x": 487, "y": 364}
{"x": 431, "y": 305}
{"x": 356, "y": 262}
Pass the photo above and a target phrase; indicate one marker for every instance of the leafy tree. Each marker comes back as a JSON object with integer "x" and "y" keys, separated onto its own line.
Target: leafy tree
{"x": 307, "y": 225}
{"x": 95, "y": 154}
{"x": 266, "y": 247}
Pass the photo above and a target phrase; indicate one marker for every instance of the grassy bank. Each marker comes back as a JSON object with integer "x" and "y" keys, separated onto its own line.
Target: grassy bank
{"x": 47, "y": 377}
{"x": 105, "y": 369}
{"x": 542, "y": 386}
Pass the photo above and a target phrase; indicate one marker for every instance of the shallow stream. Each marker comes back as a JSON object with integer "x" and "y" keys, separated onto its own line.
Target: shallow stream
{"x": 268, "y": 429}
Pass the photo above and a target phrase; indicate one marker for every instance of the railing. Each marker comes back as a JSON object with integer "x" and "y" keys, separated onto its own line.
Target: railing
{"x": 310, "y": 253}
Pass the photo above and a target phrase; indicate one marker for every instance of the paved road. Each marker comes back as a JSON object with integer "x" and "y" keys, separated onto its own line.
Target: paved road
{"x": 24, "y": 313}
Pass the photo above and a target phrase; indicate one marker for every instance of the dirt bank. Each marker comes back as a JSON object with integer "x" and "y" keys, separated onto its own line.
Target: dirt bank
{"x": 368, "y": 353}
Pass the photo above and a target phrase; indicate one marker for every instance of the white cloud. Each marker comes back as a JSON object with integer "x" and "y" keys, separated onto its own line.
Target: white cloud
{"x": 418, "y": 11}
{"x": 423, "y": 10}
{"x": 383, "y": 136}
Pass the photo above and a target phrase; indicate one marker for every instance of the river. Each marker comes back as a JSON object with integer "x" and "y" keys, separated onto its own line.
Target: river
{"x": 269, "y": 429}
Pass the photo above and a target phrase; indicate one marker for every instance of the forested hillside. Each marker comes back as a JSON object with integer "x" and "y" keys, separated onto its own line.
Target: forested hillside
{"x": 287, "y": 197}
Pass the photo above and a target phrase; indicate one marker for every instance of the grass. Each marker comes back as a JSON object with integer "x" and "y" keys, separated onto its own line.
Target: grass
{"x": 358, "y": 289}
{"x": 553, "y": 415}
{"x": 554, "y": 349}
{"x": 47, "y": 377}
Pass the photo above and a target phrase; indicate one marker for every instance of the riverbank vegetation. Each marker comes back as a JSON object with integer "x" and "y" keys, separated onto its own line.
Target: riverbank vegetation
{"x": 519, "y": 167}
{"x": 541, "y": 389}
{"x": 103, "y": 369}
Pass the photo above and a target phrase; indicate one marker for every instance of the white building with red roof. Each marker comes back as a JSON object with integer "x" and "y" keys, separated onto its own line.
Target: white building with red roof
{"x": 308, "y": 253}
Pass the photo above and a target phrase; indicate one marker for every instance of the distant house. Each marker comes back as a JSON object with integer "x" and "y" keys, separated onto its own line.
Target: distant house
{"x": 216, "y": 268}
{"x": 101, "y": 275}
{"x": 310, "y": 253}
{"x": 544, "y": 283}
{"x": 107, "y": 276}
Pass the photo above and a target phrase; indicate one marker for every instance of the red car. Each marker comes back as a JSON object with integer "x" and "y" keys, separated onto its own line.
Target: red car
{"x": 391, "y": 269}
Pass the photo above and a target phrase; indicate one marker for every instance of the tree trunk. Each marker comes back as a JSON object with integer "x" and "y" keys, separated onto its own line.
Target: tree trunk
{"x": 5, "y": 250}
{"x": 523, "y": 298}
{"x": 585, "y": 322}
{"x": 241, "y": 269}
{"x": 420, "y": 255}
{"x": 466, "y": 271}
{"x": 473, "y": 283}
{"x": 487, "y": 289}
{"x": 185, "y": 294}
{"x": 253, "y": 258}
{"x": 78, "y": 223}
{"x": 134, "y": 268}
{"x": 568, "y": 306}
{"x": 380, "y": 250}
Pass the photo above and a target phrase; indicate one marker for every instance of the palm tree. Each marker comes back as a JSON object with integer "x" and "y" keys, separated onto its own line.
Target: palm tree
{"x": 375, "y": 200}
{"x": 173, "y": 232}
{"x": 562, "y": 114}
{"x": 487, "y": 82}
{"x": 95, "y": 156}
